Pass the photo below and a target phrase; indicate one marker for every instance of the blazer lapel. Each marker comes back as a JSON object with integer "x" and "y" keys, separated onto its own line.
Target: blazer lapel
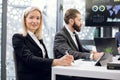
{"x": 70, "y": 38}
{"x": 31, "y": 40}
{"x": 35, "y": 44}
{"x": 79, "y": 44}
{"x": 46, "y": 55}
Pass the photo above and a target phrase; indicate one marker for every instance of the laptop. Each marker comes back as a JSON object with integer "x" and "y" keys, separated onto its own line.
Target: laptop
{"x": 102, "y": 44}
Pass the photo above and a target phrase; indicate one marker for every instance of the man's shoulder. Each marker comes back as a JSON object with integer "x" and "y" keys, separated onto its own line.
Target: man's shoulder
{"x": 117, "y": 33}
{"x": 61, "y": 31}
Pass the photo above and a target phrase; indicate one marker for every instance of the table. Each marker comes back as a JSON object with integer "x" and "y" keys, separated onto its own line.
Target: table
{"x": 85, "y": 69}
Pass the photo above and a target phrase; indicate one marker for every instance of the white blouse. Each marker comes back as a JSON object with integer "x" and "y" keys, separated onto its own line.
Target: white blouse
{"x": 72, "y": 35}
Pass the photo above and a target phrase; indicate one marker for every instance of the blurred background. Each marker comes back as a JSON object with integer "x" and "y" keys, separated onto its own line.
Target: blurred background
{"x": 53, "y": 12}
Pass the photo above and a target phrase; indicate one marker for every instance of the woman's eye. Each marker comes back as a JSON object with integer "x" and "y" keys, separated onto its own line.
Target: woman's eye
{"x": 38, "y": 18}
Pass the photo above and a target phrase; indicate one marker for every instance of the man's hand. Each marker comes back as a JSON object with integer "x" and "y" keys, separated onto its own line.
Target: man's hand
{"x": 96, "y": 55}
{"x": 119, "y": 50}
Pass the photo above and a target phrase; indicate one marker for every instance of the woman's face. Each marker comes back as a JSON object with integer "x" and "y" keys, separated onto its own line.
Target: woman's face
{"x": 33, "y": 20}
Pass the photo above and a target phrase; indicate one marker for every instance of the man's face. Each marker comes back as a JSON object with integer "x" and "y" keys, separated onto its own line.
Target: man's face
{"x": 77, "y": 23}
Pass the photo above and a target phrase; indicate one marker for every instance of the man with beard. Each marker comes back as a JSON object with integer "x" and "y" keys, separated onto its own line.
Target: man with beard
{"x": 67, "y": 40}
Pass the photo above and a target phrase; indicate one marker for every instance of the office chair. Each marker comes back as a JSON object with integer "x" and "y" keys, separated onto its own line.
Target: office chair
{"x": 15, "y": 64}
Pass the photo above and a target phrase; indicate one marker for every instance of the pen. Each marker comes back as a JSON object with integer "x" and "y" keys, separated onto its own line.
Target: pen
{"x": 66, "y": 52}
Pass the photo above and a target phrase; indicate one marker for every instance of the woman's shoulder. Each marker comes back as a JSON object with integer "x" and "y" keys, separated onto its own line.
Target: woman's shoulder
{"x": 18, "y": 35}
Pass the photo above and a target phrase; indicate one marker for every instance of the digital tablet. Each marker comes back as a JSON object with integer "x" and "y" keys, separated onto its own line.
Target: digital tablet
{"x": 104, "y": 59}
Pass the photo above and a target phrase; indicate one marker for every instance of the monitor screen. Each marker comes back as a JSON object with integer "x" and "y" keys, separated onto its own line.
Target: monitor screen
{"x": 102, "y": 13}
{"x": 105, "y": 44}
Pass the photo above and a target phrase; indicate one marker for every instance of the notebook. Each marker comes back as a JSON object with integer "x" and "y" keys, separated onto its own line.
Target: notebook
{"x": 102, "y": 44}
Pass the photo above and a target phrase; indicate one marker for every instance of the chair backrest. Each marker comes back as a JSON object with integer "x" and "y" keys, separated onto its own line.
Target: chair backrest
{"x": 15, "y": 64}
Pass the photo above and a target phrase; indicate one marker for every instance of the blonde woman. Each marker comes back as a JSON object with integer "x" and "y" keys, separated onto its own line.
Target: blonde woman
{"x": 32, "y": 62}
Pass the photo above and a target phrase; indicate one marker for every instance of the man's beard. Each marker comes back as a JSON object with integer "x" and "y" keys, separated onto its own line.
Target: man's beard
{"x": 76, "y": 27}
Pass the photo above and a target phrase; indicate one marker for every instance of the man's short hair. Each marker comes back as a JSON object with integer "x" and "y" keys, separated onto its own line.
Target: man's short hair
{"x": 70, "y": 13}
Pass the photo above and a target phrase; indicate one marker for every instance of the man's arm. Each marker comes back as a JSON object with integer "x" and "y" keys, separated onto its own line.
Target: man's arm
{"x": 62, "y": 44}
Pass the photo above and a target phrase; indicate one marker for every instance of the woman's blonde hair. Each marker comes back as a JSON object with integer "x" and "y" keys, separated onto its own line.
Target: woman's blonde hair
{"x": 38, "y": 32}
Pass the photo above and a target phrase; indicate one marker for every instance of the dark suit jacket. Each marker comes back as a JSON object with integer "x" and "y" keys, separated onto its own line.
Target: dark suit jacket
{"x": 117, "y": 37}
{"x": 29, "y": 62}
{"x": 64, "y": 42}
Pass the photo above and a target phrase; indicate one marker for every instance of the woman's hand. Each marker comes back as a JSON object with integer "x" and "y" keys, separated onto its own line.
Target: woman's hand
{"x": 66, "y": 60}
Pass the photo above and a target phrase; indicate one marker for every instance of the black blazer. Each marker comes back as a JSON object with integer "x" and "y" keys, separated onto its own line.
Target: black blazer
{"x": 29, "y": 62}
{"x": 63, "y": 42}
